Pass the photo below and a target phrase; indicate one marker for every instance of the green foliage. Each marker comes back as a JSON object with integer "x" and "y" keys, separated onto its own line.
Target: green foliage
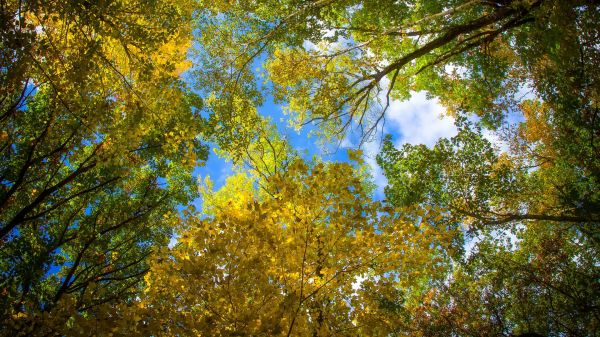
{"x": 100, "y": 135}
{"x": 365, "y": 53}
{"x": 462, "y": 174}
{"x": 544, "y": 282}
{"x": 98, "y": 140}
{"x": 533, "y": 207}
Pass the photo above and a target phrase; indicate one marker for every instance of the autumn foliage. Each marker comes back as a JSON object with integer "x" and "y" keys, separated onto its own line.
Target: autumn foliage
{"x": 109, "y": 108}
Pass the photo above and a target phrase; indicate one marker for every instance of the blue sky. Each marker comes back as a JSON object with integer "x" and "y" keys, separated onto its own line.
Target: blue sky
{"x": 416, "y": 121}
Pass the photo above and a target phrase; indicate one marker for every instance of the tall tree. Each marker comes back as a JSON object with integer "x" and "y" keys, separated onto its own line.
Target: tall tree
{"x": 99, "y": 137}
{"x": 541, "y": 190}
{"x": 340, "y": 63}
{"x": 313, "y": 258}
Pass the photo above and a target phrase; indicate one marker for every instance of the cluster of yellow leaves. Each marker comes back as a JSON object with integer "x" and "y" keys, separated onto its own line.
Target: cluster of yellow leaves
{"x": 289, "y": 264}
{"x": 313, "y": 86}
{"x": 130, "y": 60}
{"x": 234, "y": 195}
{"x": 537, "y": 128}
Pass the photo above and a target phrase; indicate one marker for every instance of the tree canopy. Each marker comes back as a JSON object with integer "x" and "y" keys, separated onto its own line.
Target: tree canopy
{"x": 108, "y": 110}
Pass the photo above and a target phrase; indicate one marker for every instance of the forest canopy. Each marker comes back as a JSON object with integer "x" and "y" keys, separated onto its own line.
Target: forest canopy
{"x": 113, "y": 114}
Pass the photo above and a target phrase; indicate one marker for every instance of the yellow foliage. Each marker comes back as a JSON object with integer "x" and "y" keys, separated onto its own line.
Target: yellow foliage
{"x": 265, "y": 265}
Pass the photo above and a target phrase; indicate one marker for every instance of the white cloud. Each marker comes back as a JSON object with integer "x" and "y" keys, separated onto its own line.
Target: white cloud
{"x": 416, "y": 121}
{"x": 419, "y": 121}
{"x": 456, "y": 70}
{"x": 309, "y": 46}
{"x": 526, "y": 91}
{"x": 173, "y": 241}
{"x": 497, "y": 142}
